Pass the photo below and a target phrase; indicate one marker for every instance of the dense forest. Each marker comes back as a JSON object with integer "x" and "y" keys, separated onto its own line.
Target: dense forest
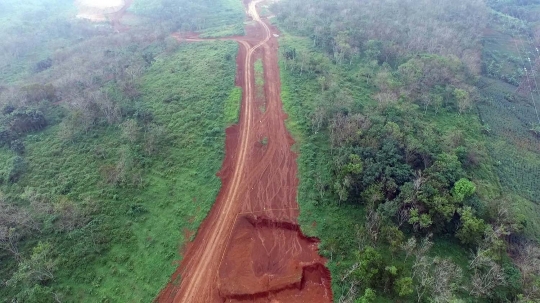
{"x": 419, "y": 147}
{"x": 417, "y": 128}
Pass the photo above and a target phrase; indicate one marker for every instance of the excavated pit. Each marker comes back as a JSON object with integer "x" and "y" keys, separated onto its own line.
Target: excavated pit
{"x": 271, "y": 260}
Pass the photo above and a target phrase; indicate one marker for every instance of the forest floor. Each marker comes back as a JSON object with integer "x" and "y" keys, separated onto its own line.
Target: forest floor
{"x": 250, "y": 247}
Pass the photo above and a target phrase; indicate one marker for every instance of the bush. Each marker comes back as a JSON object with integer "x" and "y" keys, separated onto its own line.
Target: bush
{"x": 43, "y": 65}
{"x": 471, "y": 229}
{"x": 17, "y": 146}
{"x": 16, "y": 167}
{"x": 463, "y": 188}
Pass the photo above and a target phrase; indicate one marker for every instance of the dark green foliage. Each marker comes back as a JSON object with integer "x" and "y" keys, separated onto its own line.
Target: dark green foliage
{"x": 370, "y": 267}
{"x": 404, "y": 286}
{"x": 14, "y": 169}
{"x": 5, "y": 136}
{"x": 17, "y": 122}
{"x": 368, "y": 297}
{"x": 17, "y": 146}
{"x": 136, "y": 210}
{"x": 425, "y": 164}
{"x": 43, "y": 65}
{"x": 471, "y": 229}
{"x": 25, "y": 120}
{"x": 149, "y": 58}
{"x": 513, "y": 280}
{"x": 38, "y": 269}
{"x": 389, "y": 158}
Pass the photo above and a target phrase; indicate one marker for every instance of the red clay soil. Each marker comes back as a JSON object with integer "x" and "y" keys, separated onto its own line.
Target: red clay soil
{"x": 250, "y": 247}
{"x": 116, "y": 17}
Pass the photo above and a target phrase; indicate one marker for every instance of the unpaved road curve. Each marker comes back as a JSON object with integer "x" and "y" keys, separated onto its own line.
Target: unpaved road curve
{"x": 250, "y": 247}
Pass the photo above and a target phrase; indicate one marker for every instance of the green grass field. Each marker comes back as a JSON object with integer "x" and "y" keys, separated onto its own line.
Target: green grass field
{"x": 508, "y": 114}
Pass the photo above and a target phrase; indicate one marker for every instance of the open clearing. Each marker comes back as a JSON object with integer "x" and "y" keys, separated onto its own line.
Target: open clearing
{"x": 250, "y": 247}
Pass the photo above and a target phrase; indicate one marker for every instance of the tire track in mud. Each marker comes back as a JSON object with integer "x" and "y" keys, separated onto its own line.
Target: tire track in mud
{"x": 250, "y": 247}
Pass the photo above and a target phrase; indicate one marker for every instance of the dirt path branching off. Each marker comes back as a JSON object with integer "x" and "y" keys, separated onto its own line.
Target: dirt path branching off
{"x": 250, "y": 247}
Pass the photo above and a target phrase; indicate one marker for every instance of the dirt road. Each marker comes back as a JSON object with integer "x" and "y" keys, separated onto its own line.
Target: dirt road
{"x": 250, "y": 247}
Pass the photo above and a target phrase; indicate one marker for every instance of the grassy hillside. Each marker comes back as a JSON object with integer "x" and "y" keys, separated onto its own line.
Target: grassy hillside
{"x": 109, "y": 144}
{"x": 137, "y": 195}
{"x": 509, "y": 104}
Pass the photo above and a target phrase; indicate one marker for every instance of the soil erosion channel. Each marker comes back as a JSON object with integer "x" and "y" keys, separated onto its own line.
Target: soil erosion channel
{"x": 250, "y": 247}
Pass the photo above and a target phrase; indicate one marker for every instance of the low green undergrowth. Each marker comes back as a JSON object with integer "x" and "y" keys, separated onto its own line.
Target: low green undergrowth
{"x": 232, "y": 106}
{"x": 119, "y": 202}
